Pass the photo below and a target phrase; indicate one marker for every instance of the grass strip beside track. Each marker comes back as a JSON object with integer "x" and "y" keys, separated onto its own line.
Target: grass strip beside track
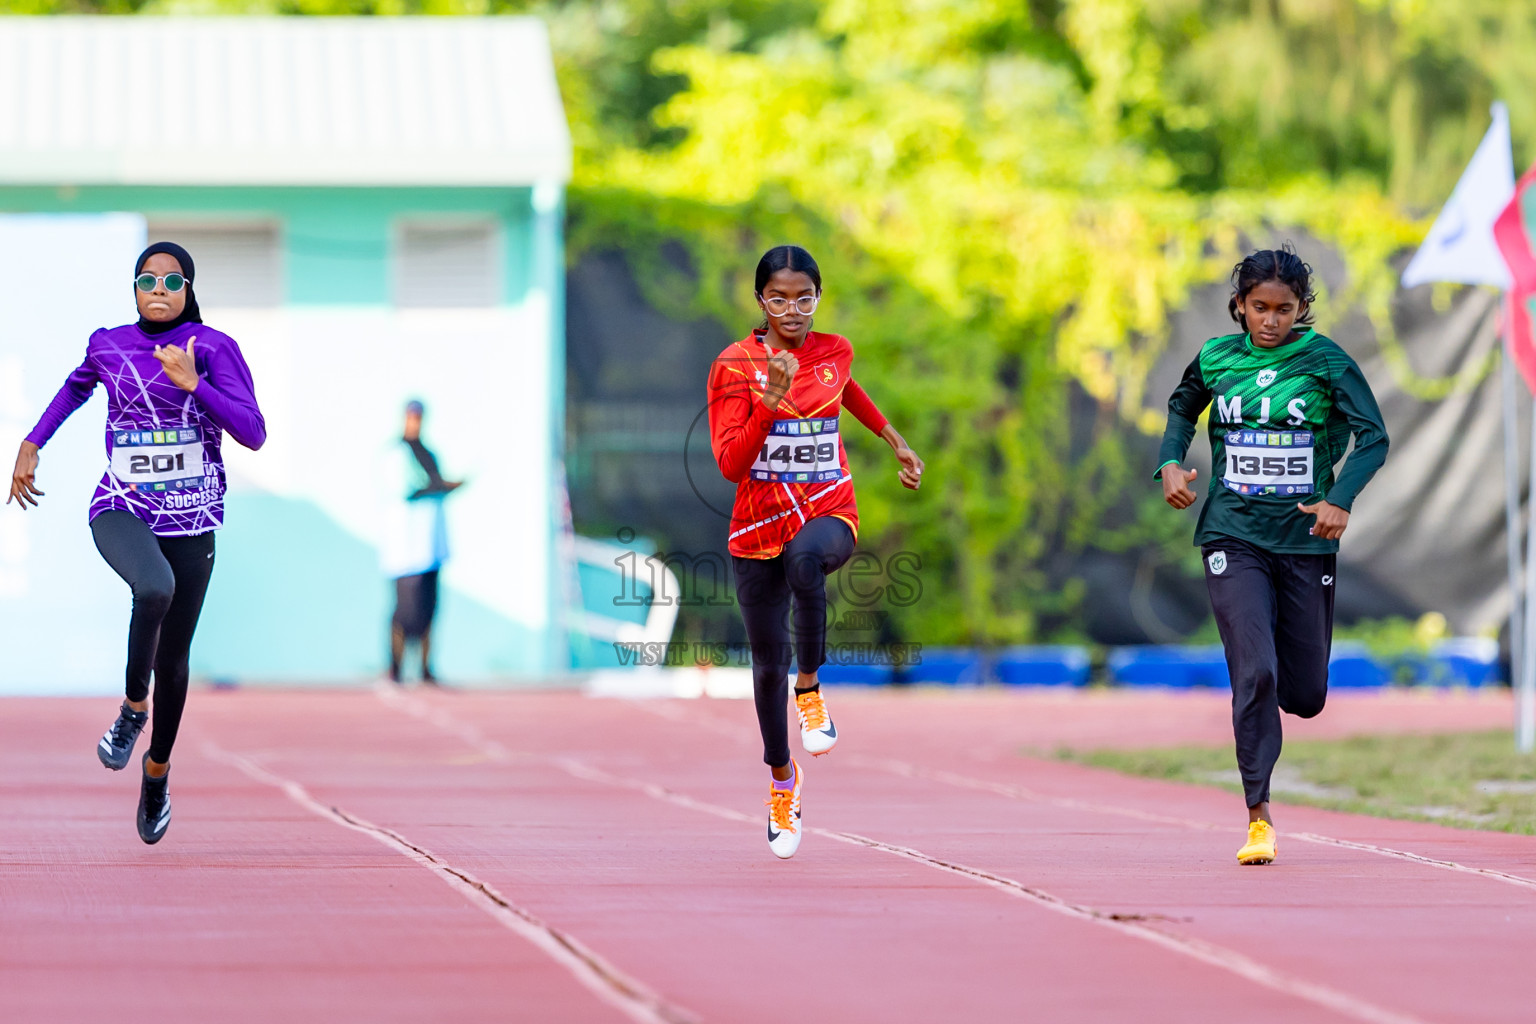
{"x": 1467, "y": 780}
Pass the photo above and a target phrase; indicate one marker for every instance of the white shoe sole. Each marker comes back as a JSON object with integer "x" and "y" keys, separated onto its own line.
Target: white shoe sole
{"x": 785, "y": 846}
{"x": 817, "y": 742}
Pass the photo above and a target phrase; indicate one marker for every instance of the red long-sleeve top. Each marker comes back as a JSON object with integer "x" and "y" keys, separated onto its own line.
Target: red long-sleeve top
{"x": 788, "y": 463}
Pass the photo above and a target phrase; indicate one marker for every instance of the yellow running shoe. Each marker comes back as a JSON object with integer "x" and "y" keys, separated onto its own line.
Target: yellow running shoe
{"x": 1262, "y": 844}
{"x": 817, "y": 733}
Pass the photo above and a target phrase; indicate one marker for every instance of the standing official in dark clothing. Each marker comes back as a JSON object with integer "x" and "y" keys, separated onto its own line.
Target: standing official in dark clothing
{"x": 417, "y": 544}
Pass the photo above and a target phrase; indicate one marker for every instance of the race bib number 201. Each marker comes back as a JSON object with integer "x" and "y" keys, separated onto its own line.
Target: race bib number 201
{"x": 159, "y": 460}
{"x": 1269, "y": 462}
{"x": 800, "y": 451}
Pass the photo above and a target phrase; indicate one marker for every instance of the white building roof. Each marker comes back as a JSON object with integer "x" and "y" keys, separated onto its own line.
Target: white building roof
{"x": 279, "y": 101}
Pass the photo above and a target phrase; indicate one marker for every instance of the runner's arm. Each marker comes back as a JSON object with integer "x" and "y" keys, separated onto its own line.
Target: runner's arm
{"x": 857, "y": 401}
{"x": 1353, "y": 399}
{"x": 75, "y": 393}
{"x": 1185, "y": 405}
{"x": 228, "y": 396}
{"x": 738, "y": 421}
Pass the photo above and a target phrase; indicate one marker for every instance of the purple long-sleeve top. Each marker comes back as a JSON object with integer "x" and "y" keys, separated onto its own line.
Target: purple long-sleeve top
{"x": 163, "y": 443}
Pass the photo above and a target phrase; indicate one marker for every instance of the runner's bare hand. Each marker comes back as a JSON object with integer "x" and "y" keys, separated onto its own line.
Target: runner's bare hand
{"x": 782, "y": 367}
{"x": 1176, "y": 489}
{"x": 24, "y": 477}
{"x": 180, "y": 364}
{"x": 911, "y": 475}
{"x": 1331, "y": 523}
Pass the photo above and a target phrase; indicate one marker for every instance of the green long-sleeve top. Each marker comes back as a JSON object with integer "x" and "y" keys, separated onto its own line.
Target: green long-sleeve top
{"x": 1282, "y": 419}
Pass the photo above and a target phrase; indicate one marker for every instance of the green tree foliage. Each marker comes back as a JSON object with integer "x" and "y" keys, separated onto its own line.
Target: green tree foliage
{"x": 1003, "y": 225}
{"x": 1009, "y": 198}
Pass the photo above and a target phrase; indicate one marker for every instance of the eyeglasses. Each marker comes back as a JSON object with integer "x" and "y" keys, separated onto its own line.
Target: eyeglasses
{"x": 173, "y": 282}
{"x": 805, "y": 305}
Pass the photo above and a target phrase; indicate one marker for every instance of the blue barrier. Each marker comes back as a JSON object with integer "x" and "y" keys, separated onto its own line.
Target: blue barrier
{"x": 855, "y": 675}
{"x": 1177, "y": 667}
{"x": 1350, "y": 667}
{"x": 1041, "y": 666}
{"x": 1465, "y": 661}
{"x": 949, "y": 666}
{"x": 1470, "y": 662}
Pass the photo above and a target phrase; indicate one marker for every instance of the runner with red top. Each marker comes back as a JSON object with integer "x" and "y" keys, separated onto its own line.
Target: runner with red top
{"x": 774, "y": 400}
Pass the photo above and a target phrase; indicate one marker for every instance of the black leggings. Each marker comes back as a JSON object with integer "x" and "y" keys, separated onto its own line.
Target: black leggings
{"x": 763, "y": 590}
{"x": 169, "y": 577}
{"x": 1275, "y": 614}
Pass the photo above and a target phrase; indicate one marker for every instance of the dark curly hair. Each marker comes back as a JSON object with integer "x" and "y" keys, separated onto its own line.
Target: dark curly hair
{"x": 1281, "y": 265}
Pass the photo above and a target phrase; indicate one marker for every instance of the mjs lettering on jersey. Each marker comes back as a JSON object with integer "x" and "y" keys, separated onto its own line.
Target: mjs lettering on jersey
{"x": 1281, "y": 419}
{"x": 1230, "y": 410}
{"x": 1264, "y": 452}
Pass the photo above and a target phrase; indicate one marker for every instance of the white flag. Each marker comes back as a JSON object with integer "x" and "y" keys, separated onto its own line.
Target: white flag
{"x": 1460, "y": 245}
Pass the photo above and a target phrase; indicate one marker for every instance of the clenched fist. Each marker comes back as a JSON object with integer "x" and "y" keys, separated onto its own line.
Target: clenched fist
{"x": 782, "y": 367}
{"x": 1176, "y": 489}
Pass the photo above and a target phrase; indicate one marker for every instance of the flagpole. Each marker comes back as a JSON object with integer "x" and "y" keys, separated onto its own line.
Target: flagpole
{"x": 1525, "y": 725}
{"x": 1517, "y": 632}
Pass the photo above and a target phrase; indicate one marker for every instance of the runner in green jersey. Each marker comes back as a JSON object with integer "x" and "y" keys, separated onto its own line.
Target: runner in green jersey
{"x": 1284, "y": 403}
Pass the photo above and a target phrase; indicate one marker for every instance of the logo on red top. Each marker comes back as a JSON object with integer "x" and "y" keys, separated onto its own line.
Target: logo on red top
{"x": 826, "y": 373}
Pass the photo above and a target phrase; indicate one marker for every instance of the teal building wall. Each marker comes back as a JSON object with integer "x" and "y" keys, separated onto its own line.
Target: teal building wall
{"x": 297, "y": 595}
{"x": 337, "y": 242}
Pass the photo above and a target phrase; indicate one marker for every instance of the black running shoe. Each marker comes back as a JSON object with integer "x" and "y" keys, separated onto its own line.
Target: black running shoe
{"x": 154, "y": 806}
{"x": 116, "y": 747}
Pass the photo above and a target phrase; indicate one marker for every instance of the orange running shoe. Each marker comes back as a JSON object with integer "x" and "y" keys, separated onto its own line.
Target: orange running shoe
{"x": 784, "y": 817}
{"x": 817, "y": 733}
{"x": 1262, "y": 844}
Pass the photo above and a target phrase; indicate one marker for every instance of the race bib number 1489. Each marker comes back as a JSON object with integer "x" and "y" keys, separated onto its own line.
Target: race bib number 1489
{"x": 800, "y": 451}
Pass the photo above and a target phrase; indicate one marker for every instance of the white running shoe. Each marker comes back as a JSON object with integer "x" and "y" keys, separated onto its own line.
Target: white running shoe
{"x": 817, "y": 733}
{"x": 784, "y": 817}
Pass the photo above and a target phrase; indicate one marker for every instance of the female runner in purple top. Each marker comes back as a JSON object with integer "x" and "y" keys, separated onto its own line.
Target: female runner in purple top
{"x": 174, "y": 389}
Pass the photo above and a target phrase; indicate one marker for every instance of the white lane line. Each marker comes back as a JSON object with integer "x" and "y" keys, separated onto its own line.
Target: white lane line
{"x": 1212, "y": 955}
{"x": 631, "y": 998}
{"x": 907, "y": 770}
{"x": 1416, "y": 858}
{"x": 912, "y": 771}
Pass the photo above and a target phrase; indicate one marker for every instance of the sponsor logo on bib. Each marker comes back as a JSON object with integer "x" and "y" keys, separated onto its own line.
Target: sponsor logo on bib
{"x": 1217, "y": 562}
{"x": 827, "y": 373}
{"x": 1267, "y": 377}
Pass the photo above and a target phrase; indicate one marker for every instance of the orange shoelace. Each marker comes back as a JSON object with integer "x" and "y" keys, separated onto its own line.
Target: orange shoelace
{"x": 781, "y": 806}
{"x": 813, "y": 710}
{"x": 1258, "y": 831}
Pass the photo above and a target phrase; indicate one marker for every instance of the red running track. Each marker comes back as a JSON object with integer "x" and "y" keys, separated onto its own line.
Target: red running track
{"x": 397, "y": 856}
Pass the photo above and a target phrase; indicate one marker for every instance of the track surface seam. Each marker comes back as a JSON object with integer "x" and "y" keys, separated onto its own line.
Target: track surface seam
{"x": 907, "y": 770}
{"x": 607, "y": 982}
{"x": 1212, "y": 955}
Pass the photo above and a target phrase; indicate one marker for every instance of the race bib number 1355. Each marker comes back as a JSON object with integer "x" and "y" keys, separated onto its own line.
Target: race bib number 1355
{"x": 1269, "y": 462}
